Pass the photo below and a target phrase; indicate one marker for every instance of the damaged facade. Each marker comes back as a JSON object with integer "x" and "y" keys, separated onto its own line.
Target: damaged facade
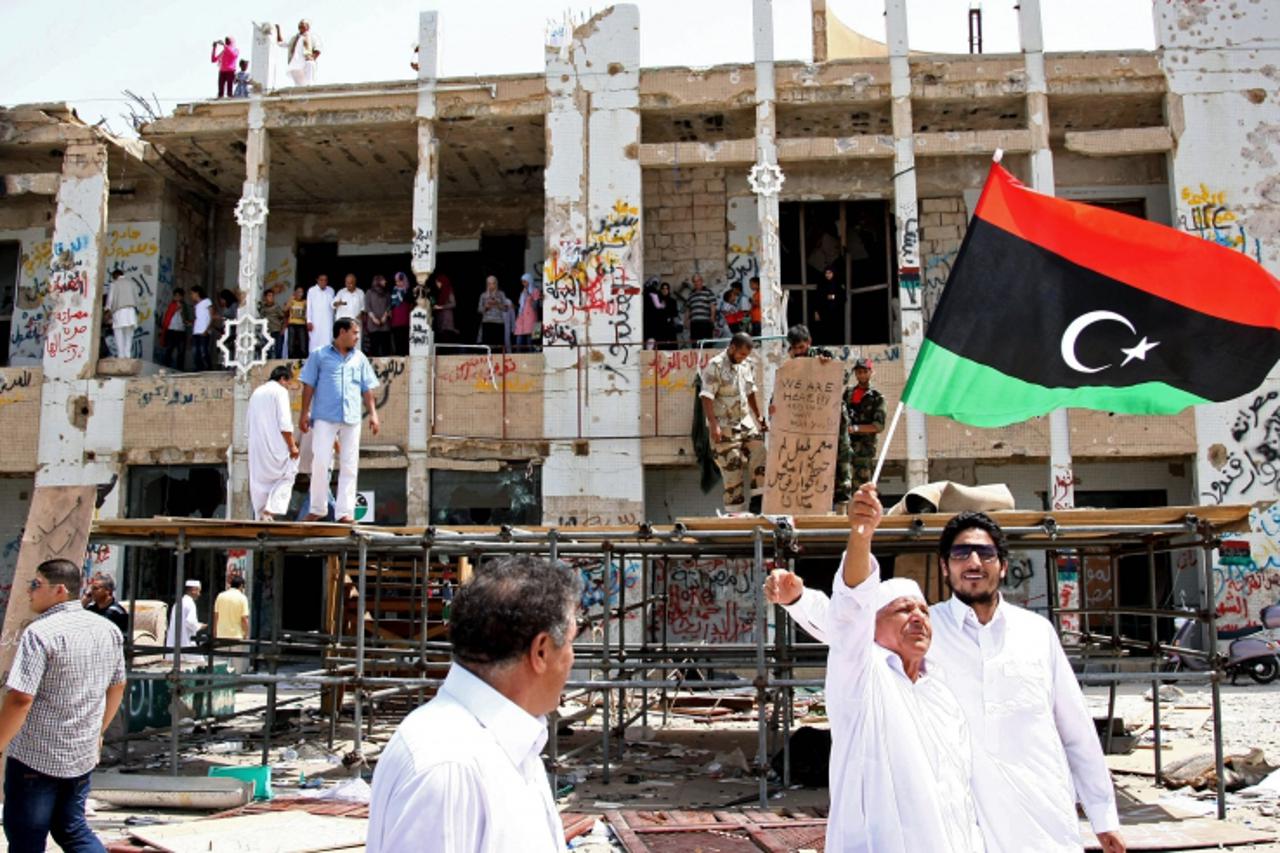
{"x": 595, "y": 174}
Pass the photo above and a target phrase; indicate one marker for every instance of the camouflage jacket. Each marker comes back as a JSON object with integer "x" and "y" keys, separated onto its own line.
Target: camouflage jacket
{"x": 868, "y": 410}
{"x": 728, "y": 386}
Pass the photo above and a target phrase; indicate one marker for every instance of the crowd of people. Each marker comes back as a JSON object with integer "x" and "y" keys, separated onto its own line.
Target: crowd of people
{"x": 299, "y": 321}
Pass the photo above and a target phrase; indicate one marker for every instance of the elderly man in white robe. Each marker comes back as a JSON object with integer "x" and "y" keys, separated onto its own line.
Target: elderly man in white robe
{"x": 273, "y": 453}
{"x": 900, "y": 753}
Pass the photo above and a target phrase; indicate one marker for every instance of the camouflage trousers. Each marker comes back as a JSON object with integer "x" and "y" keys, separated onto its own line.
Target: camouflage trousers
{"x": 863, "y": 461}
{"x": 741, "y": 452}
{"x": 844, "y": 465}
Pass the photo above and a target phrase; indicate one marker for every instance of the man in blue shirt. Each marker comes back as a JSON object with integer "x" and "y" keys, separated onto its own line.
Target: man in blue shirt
{"x": 335, "y": 381}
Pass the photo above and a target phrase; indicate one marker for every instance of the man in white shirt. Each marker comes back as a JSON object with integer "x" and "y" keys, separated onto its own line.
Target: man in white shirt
{"x": 273, "y": 454}
{"x": 462, "y": 773}
{"x": 1035, "y": 748}
{"x": 184, "y": 623}
{"x": 320, "y": 314}
{"x": 900, "y": 755}
{"x": 349, "y": 302}
{"x": 200, "y": 329}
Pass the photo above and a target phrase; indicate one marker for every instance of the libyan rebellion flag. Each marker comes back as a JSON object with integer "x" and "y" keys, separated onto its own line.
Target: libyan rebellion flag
{"x": 1052, "y": 303}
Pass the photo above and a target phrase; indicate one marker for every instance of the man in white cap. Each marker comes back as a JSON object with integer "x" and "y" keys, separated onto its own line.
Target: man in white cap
{"x": 183, "y": 624}
{"x": 1035, "y": 748}
{"x": 900, "y": 754}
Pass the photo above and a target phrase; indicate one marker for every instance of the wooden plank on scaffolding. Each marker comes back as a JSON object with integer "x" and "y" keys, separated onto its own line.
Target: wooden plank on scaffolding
{"x": 281, "y": 832}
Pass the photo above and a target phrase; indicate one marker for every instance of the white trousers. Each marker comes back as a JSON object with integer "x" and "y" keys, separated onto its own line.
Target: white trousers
{"x": 323, "y": 435}
{"x": 304, "y": 74}
{"x": 124, "y": 340}
{"x": 273, "y": 495}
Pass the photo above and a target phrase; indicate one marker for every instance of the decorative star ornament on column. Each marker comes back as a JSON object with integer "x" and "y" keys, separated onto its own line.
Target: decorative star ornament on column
{"x": 765, "y": 179}
{"x": 251, "y": 210}
{"x": 252, "y": 342}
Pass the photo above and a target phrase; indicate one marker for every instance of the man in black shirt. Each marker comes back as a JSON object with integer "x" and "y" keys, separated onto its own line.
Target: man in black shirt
{"x": 100, "y": 598}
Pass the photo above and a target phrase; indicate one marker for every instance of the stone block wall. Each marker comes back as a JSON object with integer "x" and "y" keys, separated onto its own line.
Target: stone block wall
{"x": 685, "y": 228}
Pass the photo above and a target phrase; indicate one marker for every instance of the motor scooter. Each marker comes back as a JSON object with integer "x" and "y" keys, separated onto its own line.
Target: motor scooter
{"x": 1256, "y": 656}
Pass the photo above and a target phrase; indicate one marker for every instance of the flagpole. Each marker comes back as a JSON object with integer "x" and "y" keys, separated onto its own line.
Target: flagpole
{"x": 884, "y": 450}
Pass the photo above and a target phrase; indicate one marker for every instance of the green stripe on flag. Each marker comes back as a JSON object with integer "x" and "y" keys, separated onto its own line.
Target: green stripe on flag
{"x": 947, "y": 384}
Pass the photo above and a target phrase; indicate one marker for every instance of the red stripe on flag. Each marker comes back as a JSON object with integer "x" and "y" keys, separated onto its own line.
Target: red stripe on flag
{"x": 1187, "y": 270}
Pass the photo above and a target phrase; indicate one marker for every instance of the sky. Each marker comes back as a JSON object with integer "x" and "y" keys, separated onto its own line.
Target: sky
{"x": 88, "y": 53}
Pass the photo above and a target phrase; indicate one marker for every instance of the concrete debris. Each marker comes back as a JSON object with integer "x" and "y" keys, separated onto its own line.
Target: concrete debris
{"x": 1199, "y": 772}
{"x": 1168, "y": 693}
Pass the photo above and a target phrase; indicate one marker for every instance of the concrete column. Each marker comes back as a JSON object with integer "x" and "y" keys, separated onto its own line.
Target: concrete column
{"x": 74, "y": 311}
{"x": 906, "y": 219}
{"x": 1062, "y": 492}
{"x": 773, "y": 302}
{"x": 592, "y": 273}
{"x": 1225, "y": 117}
{"x": 251, "y": 213}
{"x": 421, "y": 340}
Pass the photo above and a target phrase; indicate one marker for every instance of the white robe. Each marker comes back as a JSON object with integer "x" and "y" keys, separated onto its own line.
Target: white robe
{"x": 271, "y": 470}
{"x": 320, "y": 316}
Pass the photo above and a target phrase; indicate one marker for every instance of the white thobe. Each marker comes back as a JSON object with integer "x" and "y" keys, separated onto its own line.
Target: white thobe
{"x": 352, "y": 303}
{"x": 271, "y": 469}
{"x": 190, "y": 624}
{"x": 900, "y": 760}
{"x": 462, "y": 774}
{"x": 320, "y": 316}
{"x": 1035, "y": 749}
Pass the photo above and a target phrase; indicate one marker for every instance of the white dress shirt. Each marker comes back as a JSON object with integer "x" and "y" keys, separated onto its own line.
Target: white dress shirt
{"x": 1035, "y": 748}
{"x": 352, "y": 304}
{"x": 462, "y": 774}
{"x": 900, "y": 760}
{"x": 204, "y": 316}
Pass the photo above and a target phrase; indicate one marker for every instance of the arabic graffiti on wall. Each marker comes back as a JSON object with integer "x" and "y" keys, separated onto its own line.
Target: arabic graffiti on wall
{"x": 1246, "y": 575}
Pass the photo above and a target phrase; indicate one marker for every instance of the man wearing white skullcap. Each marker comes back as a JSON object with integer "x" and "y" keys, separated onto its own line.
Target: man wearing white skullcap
{"x": 900, "y": 754}
{"x": 184, "y": 623}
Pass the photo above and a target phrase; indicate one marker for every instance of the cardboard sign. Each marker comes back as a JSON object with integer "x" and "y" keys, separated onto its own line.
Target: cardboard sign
{"x": 800, "y": 474}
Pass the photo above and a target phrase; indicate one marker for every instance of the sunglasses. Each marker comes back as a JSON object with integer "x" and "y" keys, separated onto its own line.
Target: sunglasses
{"x": 961, "y": 553}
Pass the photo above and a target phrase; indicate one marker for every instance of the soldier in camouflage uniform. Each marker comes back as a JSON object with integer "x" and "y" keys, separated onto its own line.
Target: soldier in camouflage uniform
{"x": 734, "y": 421}
{"x": 866, "y": 421}
{"x": 800, "y": 345}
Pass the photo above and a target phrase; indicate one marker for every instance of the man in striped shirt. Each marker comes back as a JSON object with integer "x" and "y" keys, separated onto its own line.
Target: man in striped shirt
{"x": 700, "y": 312}
{"x": 65, "y": 687}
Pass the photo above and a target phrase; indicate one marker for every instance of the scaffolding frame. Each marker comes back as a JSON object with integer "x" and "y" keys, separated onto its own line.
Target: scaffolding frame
{"x": 649, "y": 665}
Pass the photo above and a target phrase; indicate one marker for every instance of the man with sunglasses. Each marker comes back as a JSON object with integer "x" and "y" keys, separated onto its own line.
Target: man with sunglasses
{"x": 1035, "y": 748}
{"x": 65, "y": 687}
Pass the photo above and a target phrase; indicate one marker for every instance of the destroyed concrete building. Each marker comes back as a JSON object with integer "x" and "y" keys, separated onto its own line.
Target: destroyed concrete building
{"x": 595, "y": 174}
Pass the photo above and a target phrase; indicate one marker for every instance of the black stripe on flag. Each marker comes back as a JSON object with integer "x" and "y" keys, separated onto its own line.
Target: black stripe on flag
{"x": 1009, "y": 304}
